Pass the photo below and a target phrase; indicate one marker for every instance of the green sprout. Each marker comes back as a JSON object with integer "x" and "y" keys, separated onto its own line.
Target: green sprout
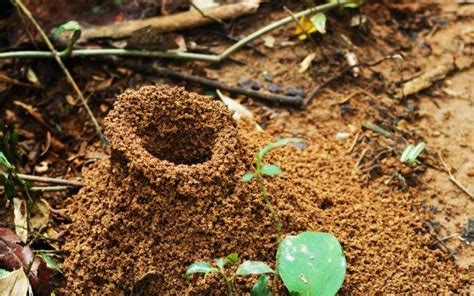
{"x": 411, "y": 153}
{"x": 244, "y": 269}
{"x": 310, "y": 263}
{"x": 261, "y": 170}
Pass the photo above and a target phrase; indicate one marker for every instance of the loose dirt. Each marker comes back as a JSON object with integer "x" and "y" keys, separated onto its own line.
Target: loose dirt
{"x": 138, "y": 215}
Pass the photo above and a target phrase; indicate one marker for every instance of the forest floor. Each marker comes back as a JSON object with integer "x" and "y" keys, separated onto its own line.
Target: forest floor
{"x": 403, "y": 228}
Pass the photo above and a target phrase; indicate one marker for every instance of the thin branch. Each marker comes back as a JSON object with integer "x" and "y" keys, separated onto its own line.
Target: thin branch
{"x": 50, "y": 180}
{"x": 161, "y": 54}
{"x": 295, "y": 101}
{"x": 453, "y": 179}
{"x": 45, "y": 188}
{"x": 56, "y": 56}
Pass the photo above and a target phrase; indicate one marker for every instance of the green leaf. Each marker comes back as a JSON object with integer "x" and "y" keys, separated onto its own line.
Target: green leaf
{"x": 247, "y": 177}
{"x": 230, "y": 259}
{"x": 311, "y": 263}
{"x": 277, "y": 144}
{"x": 319, "y": 22}
{"x": 199, "y": 267}
{"x": 406, "y": 153}
{"x": 50, "y": 262}
{"x": 71, "y": 26}
{"x": 261, "y": 287}
{"x": 417, "y": 150}
{"x": 4, "y": 162}
{"x": 270, "y": 170}
{"x": 253, "y": 267}
{"x": 411, "y": 153}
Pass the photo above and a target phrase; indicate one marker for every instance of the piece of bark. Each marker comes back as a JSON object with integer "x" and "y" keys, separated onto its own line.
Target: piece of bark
{"x": 173, "y": 22}
{"x": 149, "y": 38}
{"x": 427, "y": 79}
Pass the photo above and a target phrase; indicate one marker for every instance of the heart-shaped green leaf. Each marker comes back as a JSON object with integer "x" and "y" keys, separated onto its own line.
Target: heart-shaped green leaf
{"x": 311, "y": 263}
{"x": 253, "y": 267}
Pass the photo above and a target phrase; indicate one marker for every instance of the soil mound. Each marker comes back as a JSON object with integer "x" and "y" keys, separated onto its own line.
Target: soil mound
{"x": 170, "y": 195}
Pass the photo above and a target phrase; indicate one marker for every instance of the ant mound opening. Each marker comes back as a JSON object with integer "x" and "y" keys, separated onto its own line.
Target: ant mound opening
{"x": 178, "y": 140}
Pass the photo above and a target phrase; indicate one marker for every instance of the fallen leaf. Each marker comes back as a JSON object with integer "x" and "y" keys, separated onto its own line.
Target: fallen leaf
{"x": 13, "y": 256}
{"x": 39, "y": 216}
{"x": 15, "y": 283}
{"x": 32, "y": 77}
{"x": 269, "y": 41}
{"x": 240, "y": 111}
{"x": 304, "y": 27}
{"x": 304, "y": 65}
{"x": 319, "y": 22}
{"x": 42, "y": 167}
{"x": 21, "y": 221}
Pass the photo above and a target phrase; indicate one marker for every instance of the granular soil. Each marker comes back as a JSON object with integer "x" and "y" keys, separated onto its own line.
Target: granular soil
{"x": 170, "y": 195}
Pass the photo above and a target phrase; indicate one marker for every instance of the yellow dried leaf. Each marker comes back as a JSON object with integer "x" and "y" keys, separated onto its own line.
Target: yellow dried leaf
{"x": 304, "y": 27}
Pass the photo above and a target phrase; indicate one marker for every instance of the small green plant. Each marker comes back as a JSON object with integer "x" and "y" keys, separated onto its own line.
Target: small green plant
{"x": 9, "y": 179}
{"x": 244, "y": 269}
{"x": 411, "y": 153}
{"x": 310, "y": 263}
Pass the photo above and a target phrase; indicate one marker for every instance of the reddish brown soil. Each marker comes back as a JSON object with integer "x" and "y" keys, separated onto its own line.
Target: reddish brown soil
{"x": 127, "y": 222}
{"x": 139, "y": 214}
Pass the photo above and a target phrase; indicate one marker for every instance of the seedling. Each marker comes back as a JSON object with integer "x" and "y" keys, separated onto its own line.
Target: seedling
{"x": 411, "y": 153}
{"x": 244, "y": 269}
{"x": 262, "y": 170}
{"x": 9, "y": 178}
{"x": 310, "y": 263}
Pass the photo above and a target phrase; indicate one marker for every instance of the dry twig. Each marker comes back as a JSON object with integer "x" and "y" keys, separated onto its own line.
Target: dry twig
{"x": 56, "y": 56}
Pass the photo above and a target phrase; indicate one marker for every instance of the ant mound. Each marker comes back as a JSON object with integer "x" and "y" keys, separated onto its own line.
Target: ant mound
{"x": 170, "y": 195}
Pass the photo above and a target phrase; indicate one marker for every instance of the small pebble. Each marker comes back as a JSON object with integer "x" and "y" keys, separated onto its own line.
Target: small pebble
{"x": 247, "y": 83}
{"x": 255, "y": 86}
{"x": 274, "y": 88}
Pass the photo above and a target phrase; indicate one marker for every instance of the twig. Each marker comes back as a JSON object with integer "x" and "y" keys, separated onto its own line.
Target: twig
{"x": 315, "y": 91}
{"x": 439, "y": 240}
{"x": 354, "y": 143}
{"x": 453, "y": 179}
{"x": 50, "y": 180}
{"x": 177, "y": 55}
{"x": 378, "y": 129}
{"x": 56, "y": 56}
{"x": 361, "y": 157}
{"x": 150, "y": 69}
{"x": 45, "y": 188}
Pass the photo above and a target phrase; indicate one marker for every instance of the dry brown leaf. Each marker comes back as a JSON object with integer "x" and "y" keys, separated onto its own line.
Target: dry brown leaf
{"x": 15, "y": 283}
{"x": 20, "y": 219}
{"x": 39, "y": 216}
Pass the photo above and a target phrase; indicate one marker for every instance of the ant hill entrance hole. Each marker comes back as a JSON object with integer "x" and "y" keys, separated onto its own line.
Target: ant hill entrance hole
{"x": 173, "y": 136}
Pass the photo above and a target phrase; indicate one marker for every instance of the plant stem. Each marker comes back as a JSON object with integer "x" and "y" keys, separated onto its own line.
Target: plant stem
{"x": 269, "y": 205}
{"x": 56, "y": 56}
{"x": 160, "y": 54}
{"x": 229, "y": 284}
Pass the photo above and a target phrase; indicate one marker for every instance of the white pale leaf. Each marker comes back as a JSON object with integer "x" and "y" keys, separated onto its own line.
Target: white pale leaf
{"x": 15, "y": 283}
{"x": 304, "y": 65}
{"x": 20, "y": 218}
{"x": 240, "y": 111}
